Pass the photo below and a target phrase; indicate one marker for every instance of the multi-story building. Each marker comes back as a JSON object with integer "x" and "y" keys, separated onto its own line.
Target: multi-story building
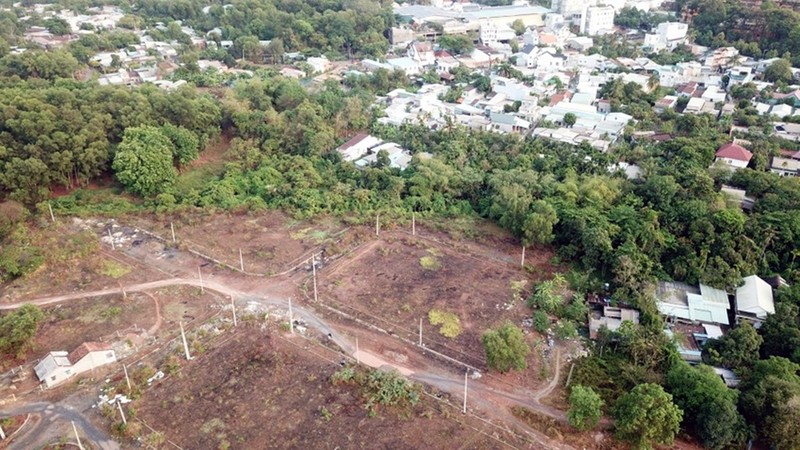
{"x": 598, "y": 20}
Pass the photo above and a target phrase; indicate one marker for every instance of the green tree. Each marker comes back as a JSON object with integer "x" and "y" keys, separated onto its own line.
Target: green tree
{"x": 709, "y": 405}
{"x": 18, "y": 328}
{"x": 457, "y": 44}
{"x": 518, "y": 26}
{"x": 538, "y": 225}
{"x": 57, "y": 26}
{"x": 382, "y": 159}
{"x": 737, "y": 350}
{"x": 780, "y": 70}
{"x": 771, "y": 384}
{"x": 143, "y": 161}
{"x": 185, "y": 145}
{"x": 506, "y": 348}
{"x": 585, "y": 408}
{"x": 646, "y": 416}
{"x": 570, "y": 119}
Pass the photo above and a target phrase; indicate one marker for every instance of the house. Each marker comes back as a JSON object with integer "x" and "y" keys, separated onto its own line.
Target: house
{"x": 781, "y": 110}
{"x": 58, "y": 366}
{"x": 790, "y": 131}
{"x": 738, "y": 197}
{"x": 318, "y": 64}
{"x": 681, "y": 302}
{"x": 668, "y": 102}
{"x": 695, "y": 105}
{"x": 358, "y": 146}
{"x": 363, "y": 150}
{"x": 733, "y": 155}
{"x": 611, "y": 318}
{"x": 754, "y": 300}
{"x": 421, "y": 53}
{"x": 785, "y": 167}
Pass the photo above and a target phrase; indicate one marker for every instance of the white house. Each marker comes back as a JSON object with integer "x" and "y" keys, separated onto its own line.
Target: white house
{"x": 754, "y": 298}
{"x": 58, "y": 366}
{"x": 358, "y": 146}
{"x": 668, "y": 35}
{"x": 734, "y": 155}
{"x": 319, "y": 64}
{"x": 491, "y": 33}
{"x": 598, "y": 20}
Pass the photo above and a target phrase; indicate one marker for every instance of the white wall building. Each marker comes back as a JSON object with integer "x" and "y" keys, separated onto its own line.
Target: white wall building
{"x": 490, "y": 33}
{"x": 598, "y": 20}
{"x": 668, "y": 36}
{"x": 58, "y": 366}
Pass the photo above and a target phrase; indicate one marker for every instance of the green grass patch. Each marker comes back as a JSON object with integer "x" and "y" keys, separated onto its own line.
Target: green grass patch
{"x": 113, "y": 269}
{"x": 449, "y": 323}
{"x": 430, "y": 263}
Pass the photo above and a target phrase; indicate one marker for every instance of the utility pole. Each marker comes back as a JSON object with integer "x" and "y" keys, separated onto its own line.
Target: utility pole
{"x": 2, "y": 434}
{"x": 127, "y": 379}
{"x": 50, "y": 208}
{"x": 522, "y": 263}
{"x": 420, "y": 331}
{"x": 291, "y": 320}
{"x": 314, "y": 274}
{"x": 124, "y": 420}
{"x": 378, "y": 225}
{"x": 358, "y": 357}
{"x": 172, "y": 227}
{"x": 241, "y": 260}
{"x": 80, "y": 446}
{"x": 413, "y": 224}
{"x": 464, "y": 410}
{"x": 200, "y": 275}
{"x": 185, "y": 344}
{"x": 111, "y": 239}
{"x": 233, "y": 308}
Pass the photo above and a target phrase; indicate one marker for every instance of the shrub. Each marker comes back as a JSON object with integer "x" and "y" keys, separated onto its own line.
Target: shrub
{"x": 430, "y": 263}
{"x": 541, "y": 321}
{"x": 506, "y": 348}
{"x": 450, "y": 324}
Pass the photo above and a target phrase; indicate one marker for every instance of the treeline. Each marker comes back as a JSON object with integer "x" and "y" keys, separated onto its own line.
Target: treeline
{"x": 771, "y": 31}
{"x": 65, "y": 132}
{"x": 343, "y": 28}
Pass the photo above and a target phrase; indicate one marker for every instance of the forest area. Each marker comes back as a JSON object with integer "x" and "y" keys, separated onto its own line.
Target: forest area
{"x": 60, "y": 133}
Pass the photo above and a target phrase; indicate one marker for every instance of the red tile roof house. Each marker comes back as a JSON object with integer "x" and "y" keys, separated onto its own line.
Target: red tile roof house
{"x": 734, "y": 155}
{"x": 57, "y": 367}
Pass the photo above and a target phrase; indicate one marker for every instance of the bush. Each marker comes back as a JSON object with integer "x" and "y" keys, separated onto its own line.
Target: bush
{"x": 18, "y": 328}
{"x": 565, "y": 329}
{"x": 430, "y": 263}
{"x": 541, "y": 321}
{"x": 450, "y": 324}
{"x": 506, "y": 348}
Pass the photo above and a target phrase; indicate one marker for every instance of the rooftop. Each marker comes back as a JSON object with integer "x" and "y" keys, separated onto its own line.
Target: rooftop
{"x": 734, "y": 151}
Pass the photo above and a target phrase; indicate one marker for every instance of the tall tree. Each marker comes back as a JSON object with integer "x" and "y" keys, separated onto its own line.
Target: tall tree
{"x": 143, "y": 161}
{"x": 585, "y": 408}
{"x": 646, "y": 416}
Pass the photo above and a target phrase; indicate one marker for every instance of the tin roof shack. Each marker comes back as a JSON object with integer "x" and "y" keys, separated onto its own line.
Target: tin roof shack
{"x": 688, "y": 304}
{"x": 58, "y": 366}
{"x": 754, "y": 300}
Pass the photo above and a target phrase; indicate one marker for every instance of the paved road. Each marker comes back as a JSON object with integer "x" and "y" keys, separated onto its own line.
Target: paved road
{"x": 39, "y": 433}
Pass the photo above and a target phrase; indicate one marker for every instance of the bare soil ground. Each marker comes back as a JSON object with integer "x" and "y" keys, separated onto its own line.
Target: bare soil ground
{"x": 271, "y": 242}
{"x": 261, "y": 390}
{"x": 395, "y": 281}
{"x": 74, "y": 260}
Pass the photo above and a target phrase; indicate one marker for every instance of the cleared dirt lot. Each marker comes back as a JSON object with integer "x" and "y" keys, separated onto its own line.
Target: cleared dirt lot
{"x": 258, "y": 390}
{"x": 399, "y": 279}
{"x": 271, "y": 242}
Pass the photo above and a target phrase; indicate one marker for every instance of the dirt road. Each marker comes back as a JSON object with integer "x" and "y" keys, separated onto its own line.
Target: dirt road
{"x": 55, "y": 423}
{"x": 276, "y": 291}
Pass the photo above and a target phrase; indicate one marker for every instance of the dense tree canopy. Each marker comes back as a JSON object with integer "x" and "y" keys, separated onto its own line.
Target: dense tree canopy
{"x": 646, "y": 416}
{"x": 506, "y": 348}
{"x": 143, "y": 161}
